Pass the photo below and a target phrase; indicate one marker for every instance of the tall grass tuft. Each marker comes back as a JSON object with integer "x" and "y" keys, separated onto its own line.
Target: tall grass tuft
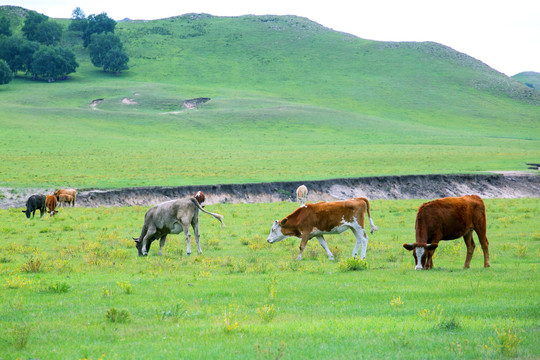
{"x": 117, "y": 316}
{"x": 33, "y": 265}
{"x": 508, "y": 340}
{"x": 20, "y": 334}
{"x": 353, "y": 264}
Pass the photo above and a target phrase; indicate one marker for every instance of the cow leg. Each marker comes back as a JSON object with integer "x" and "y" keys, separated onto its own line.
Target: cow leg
{"x": 361, "y": 239}
{"x": 145, "y": 241}
{"x": 325, "y": 247}
{"x": 480, "y": 229}
{"x": 162, "y": 244}
{"x": 469, "y": 241}
{"x": 303, "y": 243}
{"x": 188, "y": 238}
{"x": 195, "y": 225}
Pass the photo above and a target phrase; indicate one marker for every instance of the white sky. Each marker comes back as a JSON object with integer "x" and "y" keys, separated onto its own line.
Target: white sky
{"x": 505, "y": 34}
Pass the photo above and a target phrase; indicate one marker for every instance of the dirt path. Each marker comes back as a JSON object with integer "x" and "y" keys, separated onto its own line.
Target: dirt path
{"x": 505, "y": 185}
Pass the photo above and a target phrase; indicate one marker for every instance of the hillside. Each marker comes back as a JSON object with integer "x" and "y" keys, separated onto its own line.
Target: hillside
{"x": 529, "y": 78}
{"x": 290, "y": 100}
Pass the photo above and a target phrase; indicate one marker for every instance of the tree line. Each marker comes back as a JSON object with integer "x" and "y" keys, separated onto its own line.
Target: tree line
{"x": 38, "y": 51}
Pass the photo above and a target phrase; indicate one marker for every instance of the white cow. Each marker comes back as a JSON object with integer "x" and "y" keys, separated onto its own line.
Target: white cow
{"x": 301, "y": 194}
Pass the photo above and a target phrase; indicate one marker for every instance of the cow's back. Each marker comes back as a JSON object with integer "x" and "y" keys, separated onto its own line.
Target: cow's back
{"x": 168, "y": 212}
{"x": 448, "y": 218}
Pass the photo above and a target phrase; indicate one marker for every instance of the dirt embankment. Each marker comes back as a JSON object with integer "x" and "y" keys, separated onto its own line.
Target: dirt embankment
{"x": 385, "y": 187}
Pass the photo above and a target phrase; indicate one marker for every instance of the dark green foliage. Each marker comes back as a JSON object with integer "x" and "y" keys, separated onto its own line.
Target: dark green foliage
{"x": 52, "y": 63}
{"x": 5, "y": 26}
{"x": 48, "y": 33}
{"x": 106, "y": 51}
{"x": 18, "y": 53}
{"x": 31, "y": 24}
{"x": 115, "y": 61}
{"x": 97, "y": 24}
{"x": 6, "y": 75}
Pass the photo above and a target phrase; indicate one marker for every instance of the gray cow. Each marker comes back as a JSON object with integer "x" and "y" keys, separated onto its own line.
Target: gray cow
{"x": 171, "y": 217}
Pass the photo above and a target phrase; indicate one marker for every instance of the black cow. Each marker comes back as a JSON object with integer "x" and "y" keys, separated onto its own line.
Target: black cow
{"x": 35, "y": 202}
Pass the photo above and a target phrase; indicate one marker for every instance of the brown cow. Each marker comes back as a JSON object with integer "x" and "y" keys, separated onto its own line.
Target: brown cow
{"x": 449, "y": 219}
{"x": 71, "y": 192}
{"x": 301, "y": 194}
{"x": 315, "y": 220}
{"x": 50, "y": 203}
{"x": 66, "y": 199}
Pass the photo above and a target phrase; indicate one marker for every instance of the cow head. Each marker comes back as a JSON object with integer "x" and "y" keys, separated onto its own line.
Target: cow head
{"x": 423, "y": 254}
{"x": 138, "y": 245}
{"x": 200, "y": 197}
{"x": 276, "y": 233}
{"x": 27, "y": 212}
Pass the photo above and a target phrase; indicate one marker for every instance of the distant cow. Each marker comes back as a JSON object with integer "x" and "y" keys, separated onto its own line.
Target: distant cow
{"x": 448, "y": 219}
{"x": 200, "y": 197}
{"x": 35, "y": 202}
{"x": 301, "y": 194}
{"x": 315, "y": 220}
{"x": 171, "y": 217}
{"x": 50, "y": 203}
{"x": 66, "y": 199}
{"x": 70, "y": 192}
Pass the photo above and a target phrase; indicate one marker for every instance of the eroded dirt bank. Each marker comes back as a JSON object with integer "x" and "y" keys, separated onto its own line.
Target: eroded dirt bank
{"x": 386, "y": 187}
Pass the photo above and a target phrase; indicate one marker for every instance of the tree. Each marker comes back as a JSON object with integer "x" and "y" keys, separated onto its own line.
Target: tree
{"x": 6, "y": 75}
{"x": 18, "y": 53}
{"x": 51, "y": 63}
{"x": 106, "y": 51}
{"x": 30, "y": 27}
{"x": 48, "y": 33}
{"x": 97, "y": 24}
{"x": 115, "y": 61}
{"x": 78, "y": 20}
{"x": 5, "y": 26}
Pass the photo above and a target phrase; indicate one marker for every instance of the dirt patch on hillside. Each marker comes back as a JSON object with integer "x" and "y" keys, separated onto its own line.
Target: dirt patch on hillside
{"x": 514, "y": 185}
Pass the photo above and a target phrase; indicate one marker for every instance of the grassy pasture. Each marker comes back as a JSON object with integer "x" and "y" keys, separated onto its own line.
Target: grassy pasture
{"x": 72, "y": 287}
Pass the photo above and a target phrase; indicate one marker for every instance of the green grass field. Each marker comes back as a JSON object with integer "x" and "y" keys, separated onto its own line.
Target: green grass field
{"x": 72, "y": 287}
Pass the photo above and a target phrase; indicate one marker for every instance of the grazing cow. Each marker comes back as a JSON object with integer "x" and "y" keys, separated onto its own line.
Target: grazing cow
{"x": 314, "y": 220}
{"x": 35, "y": 202}
{"x": 50, "y": 203}
{"x": 301, "y": 194}
{"x": 200, "y": 197}
{"x": 171, "y": 217}
{"x": 66, "y": 199}
{"x": 71, "y": 192}
{"x": 448, "y": 219}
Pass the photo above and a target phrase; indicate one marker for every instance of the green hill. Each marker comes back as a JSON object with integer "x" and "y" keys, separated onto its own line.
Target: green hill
{"x": 529, "y": 78}
{"x": 290, "y": 100}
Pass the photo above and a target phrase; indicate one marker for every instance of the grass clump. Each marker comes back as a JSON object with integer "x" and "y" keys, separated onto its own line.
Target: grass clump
{"x": 117, "y": 316}
{"x": 353, "y": 264}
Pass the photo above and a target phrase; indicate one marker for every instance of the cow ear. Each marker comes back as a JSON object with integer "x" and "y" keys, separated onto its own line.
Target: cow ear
{"x": 283, "y": 222}
{"x": 408, "y": 246}
{"x": 432, "y": 246}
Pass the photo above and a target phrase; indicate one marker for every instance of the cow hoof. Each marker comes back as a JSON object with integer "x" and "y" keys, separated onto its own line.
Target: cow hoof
{"x": 188, "y": 253}
{"x": 331, "y": 258}
{"x": 299, "y": 258}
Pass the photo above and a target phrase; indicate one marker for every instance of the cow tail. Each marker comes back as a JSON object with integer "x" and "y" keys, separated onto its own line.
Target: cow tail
{"x": 217, "y": 216}
{"x": 371, "y": 223}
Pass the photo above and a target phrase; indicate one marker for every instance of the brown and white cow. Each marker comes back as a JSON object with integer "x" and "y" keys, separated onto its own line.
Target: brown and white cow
{"x": 50, "y": 203}
{"x": 70, "y": 192}
{"x": 315, "y": 220}
{"x": 448, "y": 219}
{"x": 301, "y": 194}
